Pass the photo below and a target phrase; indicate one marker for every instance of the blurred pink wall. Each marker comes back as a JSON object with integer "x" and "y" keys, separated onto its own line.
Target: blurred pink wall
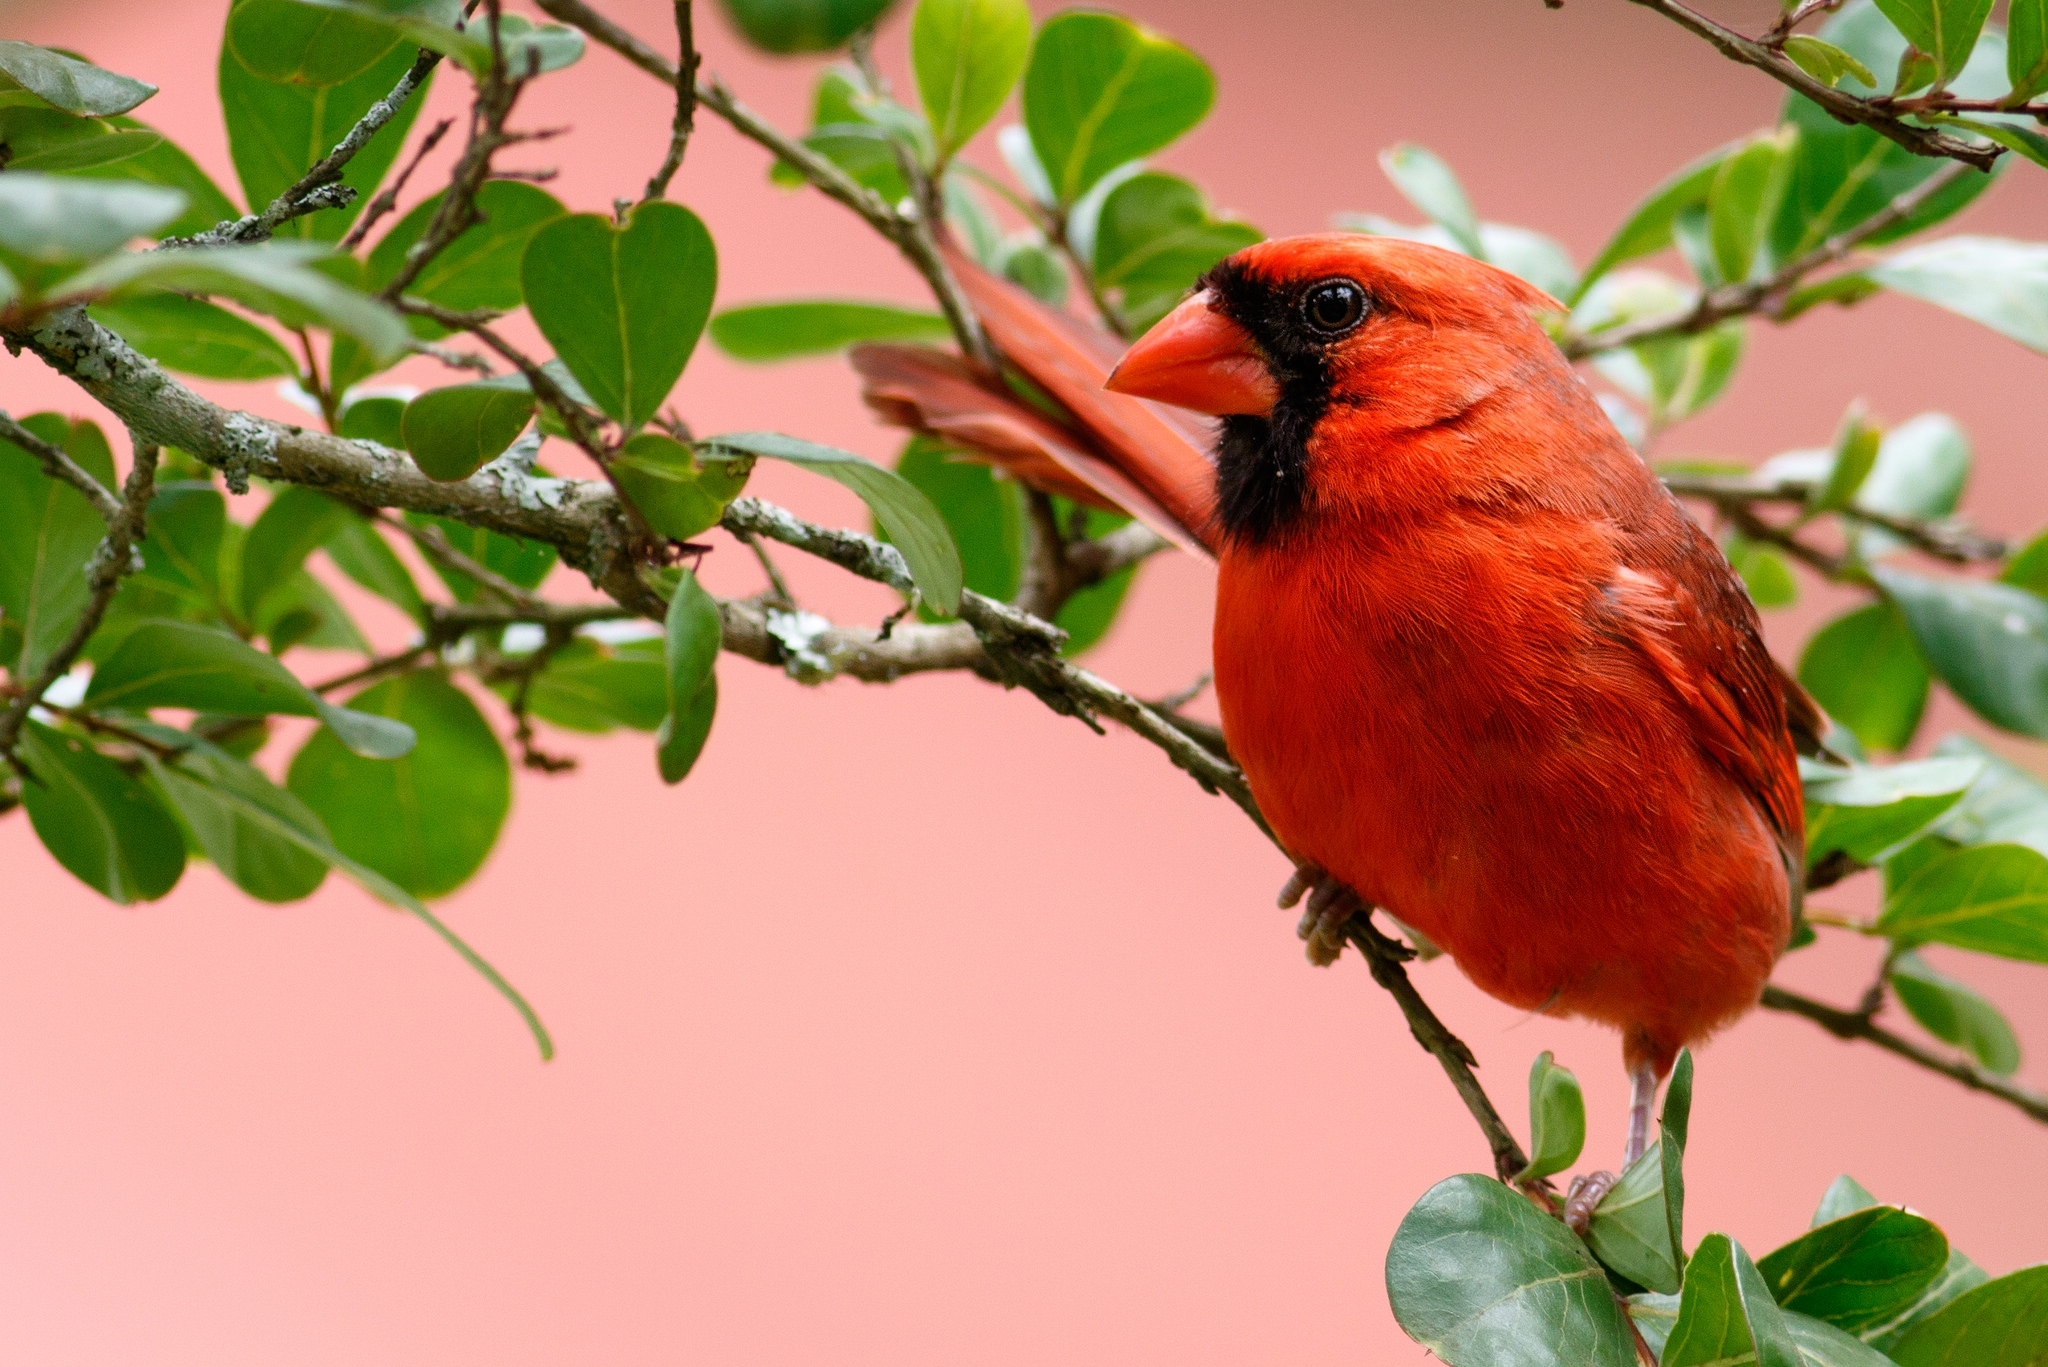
{"x": 919, "y": 1025}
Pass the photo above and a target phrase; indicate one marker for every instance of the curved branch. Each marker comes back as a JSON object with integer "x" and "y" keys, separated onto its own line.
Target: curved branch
{"x": 1855, "y": 1025}
{"x": 1839, "y": 103}
{"x": 1723, "y": 302}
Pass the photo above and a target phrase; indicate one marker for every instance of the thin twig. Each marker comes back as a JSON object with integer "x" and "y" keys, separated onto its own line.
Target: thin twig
{"x": 58, "y": 465}
{"x": 436, "y": 546}
{"x": 685, "y": 121}
{"x": 1745, "y": 297}
{"x": 320, "y": 187}
{"x": 1945, "y": 538}
{"x": 911, "y": 235}
{"x": 496, "y": 94}
{"x": 387, "y": 198}
{"x": 114, "y": 560}
{"x": 1386, "y": 958}
{"x": 1839, "y": 103}
{"x": 1854, "y": 1025}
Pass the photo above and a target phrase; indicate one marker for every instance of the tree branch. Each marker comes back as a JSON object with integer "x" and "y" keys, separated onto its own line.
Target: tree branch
{"x": 911, "y": 235}
{"x": 685, "y": 121}
{"x": 58, "y": 465}
{"x": 1745, "y": 297}
{"x": 1855, "y": 1025}
{"x": 114, "y": 560}
{"x": 320, "y": 187}
{"x": 1842, "y": 105}
{"x": 1947, "y": 538}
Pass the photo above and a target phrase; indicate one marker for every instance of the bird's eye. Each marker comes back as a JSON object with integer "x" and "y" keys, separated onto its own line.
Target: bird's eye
{"x": 1334, "y": 307}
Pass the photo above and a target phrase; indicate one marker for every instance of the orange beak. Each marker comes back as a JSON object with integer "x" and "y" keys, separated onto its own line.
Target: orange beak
{"x": 1196, "y": 358}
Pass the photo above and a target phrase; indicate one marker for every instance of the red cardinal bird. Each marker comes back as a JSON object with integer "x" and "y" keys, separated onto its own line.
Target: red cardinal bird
{"x": 1477, "y": 663}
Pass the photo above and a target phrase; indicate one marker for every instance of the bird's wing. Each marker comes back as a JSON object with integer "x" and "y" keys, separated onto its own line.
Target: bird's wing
{"x": 1145, "y": 458}
{"x": 1691, "y": 619}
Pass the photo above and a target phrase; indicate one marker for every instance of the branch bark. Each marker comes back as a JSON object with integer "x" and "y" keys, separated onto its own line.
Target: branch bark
{"x": 1857, "y": 1025}
{"x": 1839, "y": 103}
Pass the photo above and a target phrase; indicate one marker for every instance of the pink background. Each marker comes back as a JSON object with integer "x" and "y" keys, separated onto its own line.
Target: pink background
{"x": 920, "y": 1025}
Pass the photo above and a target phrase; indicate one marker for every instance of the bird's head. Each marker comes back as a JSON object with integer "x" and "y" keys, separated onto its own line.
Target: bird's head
{"x": 1325, "y": 351}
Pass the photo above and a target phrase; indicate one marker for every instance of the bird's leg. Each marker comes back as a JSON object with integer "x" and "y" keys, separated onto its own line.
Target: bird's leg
{"x": 1587, "y": 1191}
{"x": 1325, "y": 921}
{"x": 1642, "y": 1098}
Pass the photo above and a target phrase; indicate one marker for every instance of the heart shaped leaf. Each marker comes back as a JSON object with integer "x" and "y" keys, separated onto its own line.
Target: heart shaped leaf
{"x": 623, "y": 305}
{"x": 455, "y": 431}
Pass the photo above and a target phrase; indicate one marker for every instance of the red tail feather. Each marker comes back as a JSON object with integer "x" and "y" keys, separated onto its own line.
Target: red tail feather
{"x": 1119, "y": 451}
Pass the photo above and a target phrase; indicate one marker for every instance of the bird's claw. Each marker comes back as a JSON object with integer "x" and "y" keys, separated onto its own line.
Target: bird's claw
{"x": 1326, "y": 920}
{"x": 1587, "y": 1191}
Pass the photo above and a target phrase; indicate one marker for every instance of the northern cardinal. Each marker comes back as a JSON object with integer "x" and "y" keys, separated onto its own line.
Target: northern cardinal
{"x": 1477, "y": 662}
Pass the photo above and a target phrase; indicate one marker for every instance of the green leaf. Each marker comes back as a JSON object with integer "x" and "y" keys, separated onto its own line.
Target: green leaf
{"x": 985, "y": 515}
{"x": 1479, "y": 1278}
{"x": 1100, "y": 91}
{"x": 455, "y": 431}
{"x": 166, "y": 164}
{"x": 1845, "y": 1195}
{"x": 277, "y": 130}
{"x": 48, "y": 533}
{"x": 2025, "y": 141}
{"x": 1922, "y": 466}
{"x": 623, "y": 306}
{"x": 51, "y": 219}
{"x": 790, "y": 26}
{"x": 1031, "y": 263}
{"x": 1631, "y": 1229}
{"x": 359, "y": 552}
{"x": 1990, "y": 280}
{"x": 1988, "y": 898}
{"x": 1955, "y": 1012}
{"x": 1988, "y": 642}
{"x": 1824, "y": 61}
{"x": 693, "y": 633}
{"x": 967, "y": 54}
{"x": 182, "y": 554}
{"x": 271, "y": 277}
{"x": 1647, "y": 229}
{"x": 480, "y": 268}
{"x": 1946, "y": 30}
{"x": 2003, "y": 1323}
{"x": 1726, "y": 1315}
{"x": 593, "y": 687}
{"x": 197, "y": 338}
{"x": 1859, "y": 1270}
{"x": 300, "y": 611}
{"x": 1865, "y": 671}
{"x": 296, "y": 522}
{"x": 96, "y": 820}
{"x": 678, "y": 494}
{"x": 525, "y": 563}
{"x": 232, "y": 812}
{"x": 1844, "y": 175}
{"x": 863, "y": 152}
{"x": 65, "y": 82}
{"x": 1849, "y": 463}
{"x": 1677, "y": 1116}
{"x": 40, "y": 139}
{"x": 1089, "y": 613}
{"x": 425, "y": 821}
{"x": 1154, "y": 238}
{"x": 286, "y": 822}
{"x": 2026, "y": 54}
{"x": 183, "y": 664}
{"x": 1869, "y": 809}
{"x": 913, "y": 524}
{"x": 1431, "y": 186}
{"x": 808, "y": 327}
{"x": 285, "y": 41}
{"x": 1764, "y": 572}
{"x": 1557, "y": 1119}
